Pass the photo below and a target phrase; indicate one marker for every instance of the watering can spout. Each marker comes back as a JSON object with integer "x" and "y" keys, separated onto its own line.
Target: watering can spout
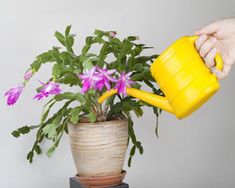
{"x": 150, "y": 98}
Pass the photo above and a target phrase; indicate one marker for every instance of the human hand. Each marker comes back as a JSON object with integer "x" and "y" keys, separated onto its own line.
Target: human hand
{"x": 217, "y": 37}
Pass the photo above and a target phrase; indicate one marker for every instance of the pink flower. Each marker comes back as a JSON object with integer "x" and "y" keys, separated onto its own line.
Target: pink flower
{"x": 50, "y": 88}
{"x": 28, "y": 74}
{"x": 89, "y": 79}
{"x": 106, "y": 78}
{"x": 123, "y": 82}
{"x": 112, "y": 34}
{"x": 97, "y": 78}
{"x": 13, "y": 94}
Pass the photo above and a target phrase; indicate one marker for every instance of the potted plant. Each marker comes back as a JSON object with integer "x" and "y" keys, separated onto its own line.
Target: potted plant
{"x": 99, "y": 134}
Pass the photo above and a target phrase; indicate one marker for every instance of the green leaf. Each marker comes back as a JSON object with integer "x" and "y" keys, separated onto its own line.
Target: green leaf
{"x": 21, "y": 130}
{"x": 24, "y": 130}
{"x": 87, "y": 64}
{"x": 66, "y": 57}
{"x": 45, "y": 115}
{"x": 51, "y": 151}
{"x": 86, "y": 48}
{"x": 138, "y": 111}
{"x": 83, "y": 57}
{"x": 127, "y": 45}
{"x": 126, "y": 106}
{"x": 89, "y": 40}
{"x": 56, "y": 71}
{"x": 129, "y": 161}
{"x": 132, "y": 137}
{"x": 148, "y": 76}
{"x": 16, "y": 134}
{"x": 87, "y": 105}
{"x": 137, "y": 77}
{"x": 132, "y": 152}
{"x": 99, "y": 32}
{"x": 92, "y": 92}
{"x": 57, "y": 120}
{"x": 137, "y": 86}
{"x": 148, "y": 83}
{"x": 147, "y": 47}
{"x": 36, "y": 65}
{"x": 131, "y": 131}
{"x": 104, "y": 48}
{"x": 138, "y": 50}
{"x": 99, "y": 39}
{"x": 70, "y": 79}
{"x": 75, "y": 115}
{"x": 60, "y": 38}
{"x": 115, "y": 41}
{"x": 50, "y": 130}
{"x": 65, "y": 95}
{"x": 156, "y": 111}
{"x": 70, "y": 41}
{"x": 116, "y": 108}
{"x": 67, "y": 30}
{"x": 140, "y": 147}
{"x": 138, "y": 67}
{"x": 55, "y": 53}
{"x": 92, "y": 117}
{"x": 30, "y": 156}
{"x": 129, "y": 104}
{"x": 80, "y": 98}
{"x": 156, "y": 130}
{"x": 131, "y": 38}
{"x": 44, "y": 57}
{"x": 38, "y": 149}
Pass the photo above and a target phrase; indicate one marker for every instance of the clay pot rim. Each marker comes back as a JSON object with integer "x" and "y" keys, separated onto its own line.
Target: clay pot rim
{"x": 123, "y": 173}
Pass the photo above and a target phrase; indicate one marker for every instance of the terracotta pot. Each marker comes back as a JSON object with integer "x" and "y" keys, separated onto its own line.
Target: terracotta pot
{"x": 99, "y": 148}
{"x": 101, "y": 181}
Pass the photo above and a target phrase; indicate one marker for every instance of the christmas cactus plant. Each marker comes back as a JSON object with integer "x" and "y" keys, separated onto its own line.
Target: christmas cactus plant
{"x": 113, "y": 63}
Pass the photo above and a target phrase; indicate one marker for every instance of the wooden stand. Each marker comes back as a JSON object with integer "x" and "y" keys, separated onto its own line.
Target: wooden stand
{"x": 75, "y": 184}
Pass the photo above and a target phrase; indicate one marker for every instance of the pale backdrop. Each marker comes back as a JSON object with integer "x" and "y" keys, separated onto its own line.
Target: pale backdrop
{"x": 196, "y": 152}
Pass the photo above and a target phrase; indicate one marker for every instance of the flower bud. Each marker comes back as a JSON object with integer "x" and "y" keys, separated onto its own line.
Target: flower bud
{"x": 28, "y": 74}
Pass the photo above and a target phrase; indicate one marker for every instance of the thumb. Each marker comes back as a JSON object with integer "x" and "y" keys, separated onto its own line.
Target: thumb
{"x": 208, "y": 30}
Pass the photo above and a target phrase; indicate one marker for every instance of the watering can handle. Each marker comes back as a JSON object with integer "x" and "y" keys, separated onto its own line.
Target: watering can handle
{"x": 218, "y": 62}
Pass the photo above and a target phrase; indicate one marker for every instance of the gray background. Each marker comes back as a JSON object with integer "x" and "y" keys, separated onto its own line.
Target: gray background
{"x": 191, "y": 153}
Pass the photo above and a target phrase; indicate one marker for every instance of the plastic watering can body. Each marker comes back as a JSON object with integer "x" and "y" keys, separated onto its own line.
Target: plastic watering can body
{"x": 182, "y": 76}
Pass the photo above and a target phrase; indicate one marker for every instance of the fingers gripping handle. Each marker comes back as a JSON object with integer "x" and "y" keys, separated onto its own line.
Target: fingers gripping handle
{"x": 218, "y": 59}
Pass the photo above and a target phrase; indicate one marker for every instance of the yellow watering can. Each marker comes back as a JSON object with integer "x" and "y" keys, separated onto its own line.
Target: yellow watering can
{"x": 182, "y": 76}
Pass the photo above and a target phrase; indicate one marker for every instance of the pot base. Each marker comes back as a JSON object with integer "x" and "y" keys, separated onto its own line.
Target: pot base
{"x": 101, "y": 181}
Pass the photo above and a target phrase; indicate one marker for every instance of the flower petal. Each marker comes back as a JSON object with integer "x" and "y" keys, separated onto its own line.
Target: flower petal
{"x": 51, "y": 88}
{"x": 13, "y": 94}
{"x": 109, "y": 72}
